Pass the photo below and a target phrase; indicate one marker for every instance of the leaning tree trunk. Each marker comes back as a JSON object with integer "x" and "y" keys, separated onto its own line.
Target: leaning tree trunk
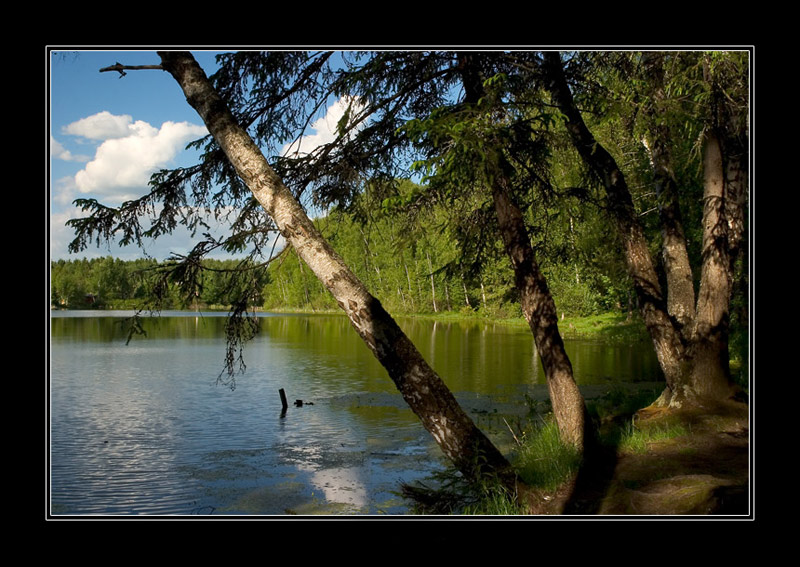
{"x": 424, "y": 391}
{"x": 666, "y": 340}
{"x": 536, "y": 302}
{"x": 539, "y": 310}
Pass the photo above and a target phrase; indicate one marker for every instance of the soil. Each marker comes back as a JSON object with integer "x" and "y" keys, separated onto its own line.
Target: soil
{"x": 706, "y": 472}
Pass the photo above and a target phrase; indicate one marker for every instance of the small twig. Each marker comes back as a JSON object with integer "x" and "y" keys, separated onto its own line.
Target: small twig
{"x": 512, "y": 433}
{"x": 119, "y": 67}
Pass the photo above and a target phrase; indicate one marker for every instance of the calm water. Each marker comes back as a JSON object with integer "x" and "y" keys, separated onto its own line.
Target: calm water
{"x": 145, "y": 428}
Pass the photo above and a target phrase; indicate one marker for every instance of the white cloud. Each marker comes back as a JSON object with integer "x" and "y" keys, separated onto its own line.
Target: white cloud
{"x": 63, "y": 191}
{"x": 60, "y": 235}
{"x": 130, "y": 152}
{"x": 324, "y": 127}
{"x": 101, "y": 126}
{"x": 58, "y": 151}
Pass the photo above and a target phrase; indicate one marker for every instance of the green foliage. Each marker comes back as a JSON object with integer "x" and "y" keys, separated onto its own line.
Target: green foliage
{"x": 575, "y": 296}
{"x": 292, "y": 286}
{"x": 98, "y": 283}
{"x": 416, "y": 260}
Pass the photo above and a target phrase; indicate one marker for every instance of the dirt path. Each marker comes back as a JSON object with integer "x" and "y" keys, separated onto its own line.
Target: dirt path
{"x": 706, "y": 471}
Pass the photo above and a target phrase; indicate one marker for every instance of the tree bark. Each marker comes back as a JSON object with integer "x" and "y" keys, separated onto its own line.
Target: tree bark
{"x": 735, "y": 195}
{"x": 424, "y": 391}
{"x": 695, "y": 364}
{"x": 710, "y": 373}
{"x": 667, "y": 343}
{"x": 680, "y": 284}
{"x": 539, "y": 310}
{"x": 538, "y": 306}
{"x": 736, "y": 188}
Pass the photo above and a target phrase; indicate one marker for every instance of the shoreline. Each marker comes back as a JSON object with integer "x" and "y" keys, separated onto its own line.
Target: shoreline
{"x": 613, "y": 327}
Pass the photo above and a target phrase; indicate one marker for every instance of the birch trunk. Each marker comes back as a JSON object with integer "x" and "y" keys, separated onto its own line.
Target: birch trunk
{"x": 424, "y": 391}
{"x": 433, "y": 285}
{"x": 466, "y": 294}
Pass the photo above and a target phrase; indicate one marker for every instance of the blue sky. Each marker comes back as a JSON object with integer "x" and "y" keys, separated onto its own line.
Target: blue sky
{"x": 108, "y": 134}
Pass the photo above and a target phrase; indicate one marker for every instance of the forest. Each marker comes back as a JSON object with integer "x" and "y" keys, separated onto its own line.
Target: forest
{"x": 411, "y": 262}
{"x": 500, "y": 183}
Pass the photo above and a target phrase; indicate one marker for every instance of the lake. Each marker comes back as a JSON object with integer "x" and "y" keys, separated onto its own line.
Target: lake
{"x": 145, "y": 428}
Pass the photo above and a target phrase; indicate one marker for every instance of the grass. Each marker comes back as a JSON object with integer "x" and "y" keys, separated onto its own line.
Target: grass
{"x": 496, "y": 503}
{"x": 451, "y": 494}
{"x": 542, "y": 460}
{"x": 637, "y": 439}
{"x": 610, "y": 327}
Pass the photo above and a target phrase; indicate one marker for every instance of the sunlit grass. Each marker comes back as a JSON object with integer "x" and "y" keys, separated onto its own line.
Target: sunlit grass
{"x": 611, "y": 327}
{"x": 637, "y": 439}
{"x": 543, "y": 460}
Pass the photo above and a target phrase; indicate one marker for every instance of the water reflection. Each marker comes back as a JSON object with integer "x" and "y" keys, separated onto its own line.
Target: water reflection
{"x": 145, "y": 429}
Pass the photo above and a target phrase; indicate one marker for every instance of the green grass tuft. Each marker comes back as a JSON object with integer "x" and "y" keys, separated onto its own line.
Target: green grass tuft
{"x": 635, "y": 439}
{"x": 543, "y": 460}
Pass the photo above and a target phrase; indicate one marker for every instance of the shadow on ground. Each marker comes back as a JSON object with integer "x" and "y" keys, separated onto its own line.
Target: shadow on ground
{"x": 705, "y": 472}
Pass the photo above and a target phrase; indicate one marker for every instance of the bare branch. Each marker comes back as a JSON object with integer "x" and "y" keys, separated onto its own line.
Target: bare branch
{"x": 119, "y": 67}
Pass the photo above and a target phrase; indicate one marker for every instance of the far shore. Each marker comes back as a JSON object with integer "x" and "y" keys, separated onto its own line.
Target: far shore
{"x": 606, "y": 326}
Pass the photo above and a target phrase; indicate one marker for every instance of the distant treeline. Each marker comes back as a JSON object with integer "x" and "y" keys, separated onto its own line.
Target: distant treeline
{"x": 111, "y": 283}
{"x": 411, "y": 267}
